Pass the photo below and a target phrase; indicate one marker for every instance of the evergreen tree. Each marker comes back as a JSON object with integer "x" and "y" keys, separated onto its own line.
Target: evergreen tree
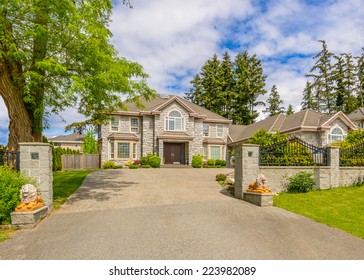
{"x": 250, "y": 83}
{"x": 289, "y": 110}
{"x": 230, "y": 88}
{"x": 274, "y": 103}
{"x": 226, "y": 89}
{"x": 322, "y": 75}
{"x": 308, "y": 100}
{"x": 360, "y": 80}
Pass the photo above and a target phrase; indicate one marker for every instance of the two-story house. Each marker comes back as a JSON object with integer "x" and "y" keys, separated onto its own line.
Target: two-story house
{"x": 170, "y": 127}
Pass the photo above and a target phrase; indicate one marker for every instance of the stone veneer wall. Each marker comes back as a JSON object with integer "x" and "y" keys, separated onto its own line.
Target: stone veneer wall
{"x": 247, "y": 168}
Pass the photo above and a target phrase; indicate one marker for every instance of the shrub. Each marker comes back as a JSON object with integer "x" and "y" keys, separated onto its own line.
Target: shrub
{"x": 108, "y": 165}
{"x": 133, "y": 166}
{"x": 145, "y": 166}
{"x": 220, "y": 177}
{"x": 155, "y": 161}
{"x": 137, "y": 162}
{"x": 197, "y": 161}
{"x": 220, "y": 162}
{"x": 302, "y": 182}
{"x": 118, "y": 167}
{"x": 144, "y": 161}
{"x": 10, "y": 185}
{"x": 211, "y": 162}
{"x": 129, "y": 162}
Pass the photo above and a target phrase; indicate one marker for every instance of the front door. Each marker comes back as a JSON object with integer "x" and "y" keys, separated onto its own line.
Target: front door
{"x": 173, "y": 153}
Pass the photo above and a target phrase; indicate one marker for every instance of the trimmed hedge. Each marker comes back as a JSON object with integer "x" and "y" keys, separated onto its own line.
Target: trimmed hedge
{"x": 197, "y": 161}
{"x": 155, "y": 161}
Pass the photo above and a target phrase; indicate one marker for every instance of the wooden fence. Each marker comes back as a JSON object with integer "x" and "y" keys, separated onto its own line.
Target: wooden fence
{"x": 84, "y": 161}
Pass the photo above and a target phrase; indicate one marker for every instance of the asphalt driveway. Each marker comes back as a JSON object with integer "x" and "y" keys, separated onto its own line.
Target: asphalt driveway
{"x": 173, "y": 214}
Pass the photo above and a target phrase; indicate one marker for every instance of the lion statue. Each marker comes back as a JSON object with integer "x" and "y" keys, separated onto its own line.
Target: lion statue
{"x": 29, "y": 198}
{"x": 259, "y": 186}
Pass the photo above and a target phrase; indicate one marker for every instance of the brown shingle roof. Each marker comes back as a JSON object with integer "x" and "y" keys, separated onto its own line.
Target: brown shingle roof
{"x": 70, "y": 137}
{"x": 357, "y": 114}
{"x": 160, "y": 101}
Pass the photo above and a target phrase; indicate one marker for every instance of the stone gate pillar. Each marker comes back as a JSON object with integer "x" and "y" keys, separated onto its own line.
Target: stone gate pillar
{"x": 36, "y": 162}
{"x": 246, "y": 167}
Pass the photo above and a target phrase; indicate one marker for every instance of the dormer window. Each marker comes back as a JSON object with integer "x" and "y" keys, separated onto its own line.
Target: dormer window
{"x": 175, "y": 122}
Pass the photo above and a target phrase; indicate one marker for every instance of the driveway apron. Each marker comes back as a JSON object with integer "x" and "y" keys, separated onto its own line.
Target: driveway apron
{"x": 173, "y": 213}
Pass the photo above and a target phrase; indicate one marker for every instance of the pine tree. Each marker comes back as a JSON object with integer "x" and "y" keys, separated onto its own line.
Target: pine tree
{"x": 250, "y": 83}
{"x": 360, "y": 80}
{"x": 308, "y": 100}
{"x": 289, "y": 110}
{"x": 226, "y": 89}
{"x": 274, "y": 103}
{"x": 322, "y": 82}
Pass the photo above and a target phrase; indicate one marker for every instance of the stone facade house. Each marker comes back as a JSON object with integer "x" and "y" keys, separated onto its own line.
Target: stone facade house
{"x": 313, "y": 127}
{"x": 168, "y": 126}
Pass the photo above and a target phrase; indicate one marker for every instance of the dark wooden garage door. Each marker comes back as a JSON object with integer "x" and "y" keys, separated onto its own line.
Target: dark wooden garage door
{"x": 174, "y": 153}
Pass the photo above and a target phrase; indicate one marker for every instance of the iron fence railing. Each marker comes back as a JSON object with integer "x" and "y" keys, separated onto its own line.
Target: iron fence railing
{"x": 10, "y": 158}
{"x": 293, "y": 152}
{"x": 353, "y": 155}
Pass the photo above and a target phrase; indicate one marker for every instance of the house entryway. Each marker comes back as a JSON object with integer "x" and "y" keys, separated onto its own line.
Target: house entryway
{"x": 174, "y": 153}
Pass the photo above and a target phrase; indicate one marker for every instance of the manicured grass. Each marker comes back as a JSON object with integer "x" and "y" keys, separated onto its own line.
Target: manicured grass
{"x": 65, "y": 183}
{"x": 5, "y": 234}
{"x": 341, "y": 208}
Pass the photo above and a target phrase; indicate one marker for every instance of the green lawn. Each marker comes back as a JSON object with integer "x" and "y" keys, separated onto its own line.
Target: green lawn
{"x": 65, "y": 183}
{"x": 341, "y": 208}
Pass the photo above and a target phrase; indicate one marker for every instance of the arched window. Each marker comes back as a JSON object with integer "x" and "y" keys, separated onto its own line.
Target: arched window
{"x": 336, "y": 135}
{"x": 174, "y": 121}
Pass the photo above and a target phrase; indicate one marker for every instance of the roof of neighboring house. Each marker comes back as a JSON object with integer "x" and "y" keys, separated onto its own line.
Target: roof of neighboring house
{"x": 357, "y": 114}
{"x": 155, "y": 106}
{"x": 74, "y": 137}
{"x": 305, "y": 120}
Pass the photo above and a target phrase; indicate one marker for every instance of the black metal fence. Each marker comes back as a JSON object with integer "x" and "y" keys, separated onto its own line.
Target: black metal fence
{"x": 353, "y": 155}
{"x": 10, "y": 158}
{"x": 293, "y": 152}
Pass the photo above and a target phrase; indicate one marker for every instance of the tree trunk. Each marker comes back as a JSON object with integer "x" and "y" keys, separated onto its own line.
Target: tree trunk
{"x": 20, "y": 126}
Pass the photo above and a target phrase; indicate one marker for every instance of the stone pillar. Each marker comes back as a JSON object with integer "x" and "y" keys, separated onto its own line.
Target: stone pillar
{"x": 334, "y": 163}
{"x": 246, "y": 167}
{"x": 36, "y": 162}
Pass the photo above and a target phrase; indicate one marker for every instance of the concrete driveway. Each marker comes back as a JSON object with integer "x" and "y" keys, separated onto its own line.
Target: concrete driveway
{"x": 173, "y": 214}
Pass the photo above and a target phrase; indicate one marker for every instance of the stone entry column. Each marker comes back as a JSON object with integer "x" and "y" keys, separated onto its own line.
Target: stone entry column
{"x": 246, "y": 167}
{"x": 36, "y": 162}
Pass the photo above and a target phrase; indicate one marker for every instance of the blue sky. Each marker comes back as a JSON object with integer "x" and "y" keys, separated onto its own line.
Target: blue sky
{"x": 172, "y": 39}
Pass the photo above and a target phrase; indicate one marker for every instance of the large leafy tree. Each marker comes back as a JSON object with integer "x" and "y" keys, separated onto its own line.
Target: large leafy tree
{"x": 274, "y": 103}
{"x": 55, "y": 54}
{"x": 230, "y": 88}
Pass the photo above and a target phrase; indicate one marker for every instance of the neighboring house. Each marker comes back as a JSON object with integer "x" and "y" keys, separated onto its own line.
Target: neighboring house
{"x": 170, "y": 127}
{"x": 313, "y": 127}
{"x": 357, "y": 117}
{"x": 72, "y": 141}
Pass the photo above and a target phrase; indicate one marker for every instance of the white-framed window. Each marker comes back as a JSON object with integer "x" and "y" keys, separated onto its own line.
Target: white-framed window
{"x": 215, "y": 152}
{"x": 112, "y": 154}
{"x": 359, "y": 124}
{"x": 336, "y": 135}
{"x": 219, "y": 130}
{"x": 123, "y": 150}
{"x": 175, "y": 121}
{"x": 135, "y": 153}
{"x": 134, "y": 125}
{"x": 206, "y": 129}
{"x": 114, "y": 124}
{"x": 205, "y": 152}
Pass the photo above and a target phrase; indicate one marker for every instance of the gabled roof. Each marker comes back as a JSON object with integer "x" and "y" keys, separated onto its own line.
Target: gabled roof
{"x": 357, "y": 114}
{"x": 305, "y": 120}
{"x": 156, "y": 105}
{"x": 74, "y": 137}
